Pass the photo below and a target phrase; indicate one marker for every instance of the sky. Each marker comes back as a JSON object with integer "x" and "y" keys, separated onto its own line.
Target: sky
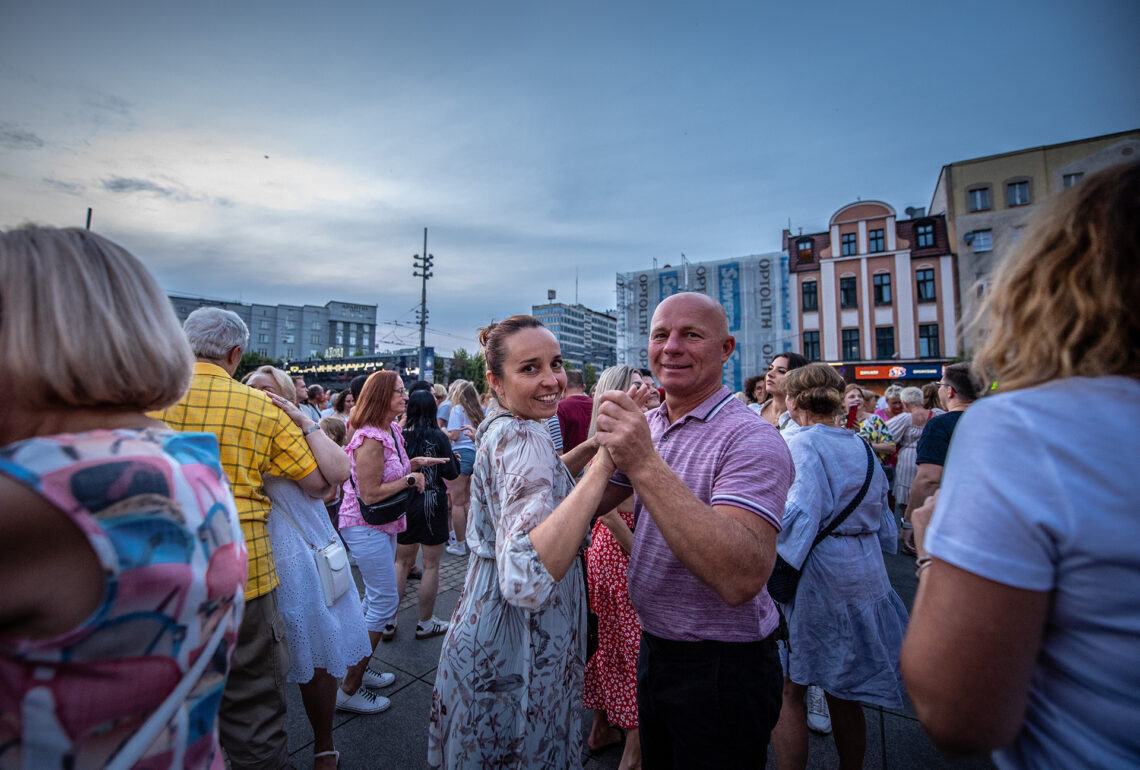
{"x": 294, "y": 152}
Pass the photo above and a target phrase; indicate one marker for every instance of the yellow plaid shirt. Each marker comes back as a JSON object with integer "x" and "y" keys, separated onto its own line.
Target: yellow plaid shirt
{"x": 255, "y": 438}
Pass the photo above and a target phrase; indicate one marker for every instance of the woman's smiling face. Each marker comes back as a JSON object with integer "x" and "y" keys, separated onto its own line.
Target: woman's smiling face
{"x": 532, "y": 376}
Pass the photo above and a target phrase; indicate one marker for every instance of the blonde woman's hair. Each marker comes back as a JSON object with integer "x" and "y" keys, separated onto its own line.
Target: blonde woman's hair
{"x": 84, "y": 324}
{"x": 1065, "y": 302}
{"x": 614, "y": 378}
{"x": 467, "y": 398}
{"x": 283, "y": 381}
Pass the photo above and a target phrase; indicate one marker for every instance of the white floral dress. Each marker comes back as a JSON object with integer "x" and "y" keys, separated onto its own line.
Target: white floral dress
{"x": 508, "y": 689}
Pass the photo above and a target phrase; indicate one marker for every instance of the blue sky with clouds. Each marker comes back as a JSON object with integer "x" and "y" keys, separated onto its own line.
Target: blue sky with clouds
{"x": 534, "y": 140}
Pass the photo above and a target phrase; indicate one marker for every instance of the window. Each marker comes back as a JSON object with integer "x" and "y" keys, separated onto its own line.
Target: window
{"x": 811, "y": 346}
{"x": 882, "y": 288}
{"x": 810, "y": 296}
{"x": 925, "y": 280}
{"x": 875, "y": 238}
{"x": 263, "y": 338}
{"x": 263, "y": 352}
{"x": 983, "y": 240}
{"x": 848, "y": 297}
{"x": 290, "y": 324}
{"x": 288, "y": 340}
{"x": 851, "y": 345}
{"x": 803, "y": 249}
{"x": 315, "y": 339}
{"x": 884, "y": 343}
{"x": 847, "y": 241}
{"x": 1017, "y": 193}
{"x": 925, "y": 233}
{"x": 264, "y": 323}
{"x": 978, "y": 199}
{"x": 1068, "y": 180}
{"x": 928, "y": 340}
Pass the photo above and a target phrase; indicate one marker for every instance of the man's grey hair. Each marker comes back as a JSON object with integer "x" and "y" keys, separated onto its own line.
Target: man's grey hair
{"x": 912, "y": 396}
{"x": 213, "y": 332}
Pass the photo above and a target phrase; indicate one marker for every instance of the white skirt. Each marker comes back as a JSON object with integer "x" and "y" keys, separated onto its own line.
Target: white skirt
{"x": 332, "y": 638}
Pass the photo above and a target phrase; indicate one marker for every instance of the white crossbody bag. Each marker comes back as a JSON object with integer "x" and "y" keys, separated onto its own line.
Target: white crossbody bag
{"x": 332, "y": 564}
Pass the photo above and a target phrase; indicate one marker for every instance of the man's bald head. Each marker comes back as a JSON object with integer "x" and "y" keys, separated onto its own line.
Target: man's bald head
{"x": 709, "y": 309}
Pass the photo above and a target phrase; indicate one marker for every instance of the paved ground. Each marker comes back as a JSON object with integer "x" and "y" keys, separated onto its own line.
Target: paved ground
{"x": 397, "y": 738}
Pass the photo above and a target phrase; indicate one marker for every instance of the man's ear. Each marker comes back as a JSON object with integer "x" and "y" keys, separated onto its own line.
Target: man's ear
{"x": 233, "y": 358}
{"x": 728, "y": 348}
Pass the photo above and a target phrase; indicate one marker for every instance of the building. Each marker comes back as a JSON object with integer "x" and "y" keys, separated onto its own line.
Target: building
{"x": 586, "y": 336}
{"x": 337, "y": 373}
{"x": 988, "y": 201}
{"x": 751, "y": 289}
{"x": 874, "y": 293}
{"x": 286, "y": 332}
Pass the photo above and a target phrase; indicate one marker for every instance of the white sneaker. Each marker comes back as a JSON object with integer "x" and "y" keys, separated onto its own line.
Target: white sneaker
{"x": 363, "y": 701}
{"x": 377, "y": 680}
{"x": 456, "y": 549}
{"x": 433, "y": 626}
{"x": 818, "y": 717}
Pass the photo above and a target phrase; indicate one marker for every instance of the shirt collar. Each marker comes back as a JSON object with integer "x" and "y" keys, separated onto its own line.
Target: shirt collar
{"x": 210, "y": 370}
{"x": 704, "y": 411}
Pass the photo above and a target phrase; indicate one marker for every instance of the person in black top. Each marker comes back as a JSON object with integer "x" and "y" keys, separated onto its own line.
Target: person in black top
{"x": 427, "y": 511}
{"x": 958, "y": 388}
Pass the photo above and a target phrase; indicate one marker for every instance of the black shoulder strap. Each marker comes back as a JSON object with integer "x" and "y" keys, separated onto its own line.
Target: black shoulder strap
{"x": 854, "y": 503}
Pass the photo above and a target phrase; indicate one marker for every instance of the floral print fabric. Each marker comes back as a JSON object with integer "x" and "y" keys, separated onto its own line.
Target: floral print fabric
{"x": 509, "y": 684}
{"x": 157, "y": 510}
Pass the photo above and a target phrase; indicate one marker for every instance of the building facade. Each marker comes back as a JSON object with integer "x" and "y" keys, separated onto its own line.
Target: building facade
{"x": 751, "y": 289}
{"x": 987, "y": 202}
{"x": 874, "y": 293}
{"x": 288, "y": 332}
{"x": 586, "y": 336}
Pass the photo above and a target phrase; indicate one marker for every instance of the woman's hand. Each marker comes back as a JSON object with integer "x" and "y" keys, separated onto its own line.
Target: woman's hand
{"x": 468, "y": 431}
{"x": 419, "y": 477}
{"x": 920, "y": 518}
{"x": 299, "y": 418}
{"x": 605, "y": 461}
{"x": 425, "y": 462}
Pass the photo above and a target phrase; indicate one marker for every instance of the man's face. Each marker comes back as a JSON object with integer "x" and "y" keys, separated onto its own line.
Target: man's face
{"x": 688, "y": 344}
{"x": 320, "y": 397}
{"x": 302, "y": 390}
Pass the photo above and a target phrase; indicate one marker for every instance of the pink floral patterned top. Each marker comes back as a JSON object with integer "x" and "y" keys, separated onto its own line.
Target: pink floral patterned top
{"x": 396, "y": 464}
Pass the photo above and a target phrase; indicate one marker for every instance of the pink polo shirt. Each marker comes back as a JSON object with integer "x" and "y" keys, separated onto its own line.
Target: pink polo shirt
{"x": 726, "y": 457}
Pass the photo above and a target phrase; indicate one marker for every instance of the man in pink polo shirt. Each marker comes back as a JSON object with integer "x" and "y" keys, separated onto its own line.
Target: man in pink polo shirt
{"x": 710, "y": 482}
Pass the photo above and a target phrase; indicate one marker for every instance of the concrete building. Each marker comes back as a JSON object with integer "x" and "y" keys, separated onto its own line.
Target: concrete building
{"x": 286, "y": 332}
{"x": 751, "y": 289}
{"x": 874, "y": 293}
{"x": 988, "y": 201}
{"x": 586, "y": 336}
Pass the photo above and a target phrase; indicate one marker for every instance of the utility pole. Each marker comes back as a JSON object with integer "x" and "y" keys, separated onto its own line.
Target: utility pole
{"x": 421, "y": 267}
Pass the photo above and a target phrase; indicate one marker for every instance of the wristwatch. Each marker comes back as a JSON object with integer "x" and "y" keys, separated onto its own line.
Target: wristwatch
{"x": 410, "y": 480}
{"x": 311, "y": 429}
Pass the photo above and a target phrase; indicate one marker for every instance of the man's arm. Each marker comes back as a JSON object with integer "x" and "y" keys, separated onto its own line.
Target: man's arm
{"x": 926, "y": 482}
{"x": 729, "y": 549}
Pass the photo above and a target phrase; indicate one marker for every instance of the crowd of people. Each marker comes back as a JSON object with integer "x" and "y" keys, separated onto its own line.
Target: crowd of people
{"x": 703, "y": 570}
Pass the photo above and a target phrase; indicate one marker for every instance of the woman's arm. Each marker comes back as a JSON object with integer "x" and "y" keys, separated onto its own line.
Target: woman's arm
{"x": 970, "y": 651}
{"x": 557, "y": 539}
{"x": 370, "y": 483}
{"x": 618, "y": 528}
{"x": 331, "y": 458}
{"x": 575, "y": 460}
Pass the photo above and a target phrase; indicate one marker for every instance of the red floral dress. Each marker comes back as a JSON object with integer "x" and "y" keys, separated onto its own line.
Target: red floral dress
{"x": 611, "y": 674}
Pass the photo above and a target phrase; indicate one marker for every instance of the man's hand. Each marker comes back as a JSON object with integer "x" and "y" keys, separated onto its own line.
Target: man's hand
{"x": 920, "y": 518}
{"x": 622, "y": 429}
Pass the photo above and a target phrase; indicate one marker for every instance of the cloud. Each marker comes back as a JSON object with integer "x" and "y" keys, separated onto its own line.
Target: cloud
{"x": 71, "y": 188}
{"x": 121, "y": 184}
{"x": 14, "y": 138}
{"x": 109, "y": 103}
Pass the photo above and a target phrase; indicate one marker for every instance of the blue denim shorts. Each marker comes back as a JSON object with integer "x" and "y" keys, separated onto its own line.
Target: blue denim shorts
{"x": 466, "y": 460}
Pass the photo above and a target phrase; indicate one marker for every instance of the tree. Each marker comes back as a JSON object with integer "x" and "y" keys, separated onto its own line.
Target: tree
{"x": 590, "y": 375}
{"x": 437, "y": 369}
{"x": 251, "y": 361}
{"x": 475, "y": 370}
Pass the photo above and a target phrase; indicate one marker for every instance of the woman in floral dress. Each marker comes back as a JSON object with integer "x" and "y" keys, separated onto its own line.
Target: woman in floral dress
{"x": 508, "y": 687}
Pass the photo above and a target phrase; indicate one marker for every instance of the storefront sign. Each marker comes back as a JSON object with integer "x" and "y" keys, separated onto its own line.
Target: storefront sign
{"x": 898, "y": 372}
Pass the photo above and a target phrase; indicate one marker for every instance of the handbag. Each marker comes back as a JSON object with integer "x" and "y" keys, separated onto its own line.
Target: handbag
{"x": 332, "y": 564}
{"x": 384, "y": 511}
{"x": 785, "y": 578}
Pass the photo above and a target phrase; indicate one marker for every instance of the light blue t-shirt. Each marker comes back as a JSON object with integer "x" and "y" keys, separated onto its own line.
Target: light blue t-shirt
{"x": 1035, "y": 499}
{"x": 456, "y": 420}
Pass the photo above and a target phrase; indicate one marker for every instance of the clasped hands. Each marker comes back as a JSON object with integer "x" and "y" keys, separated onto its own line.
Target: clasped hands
{"x": 622, "y": 432}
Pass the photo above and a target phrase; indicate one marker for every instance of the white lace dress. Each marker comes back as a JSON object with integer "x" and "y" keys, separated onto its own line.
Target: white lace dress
{"x": 332, "y": 638}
